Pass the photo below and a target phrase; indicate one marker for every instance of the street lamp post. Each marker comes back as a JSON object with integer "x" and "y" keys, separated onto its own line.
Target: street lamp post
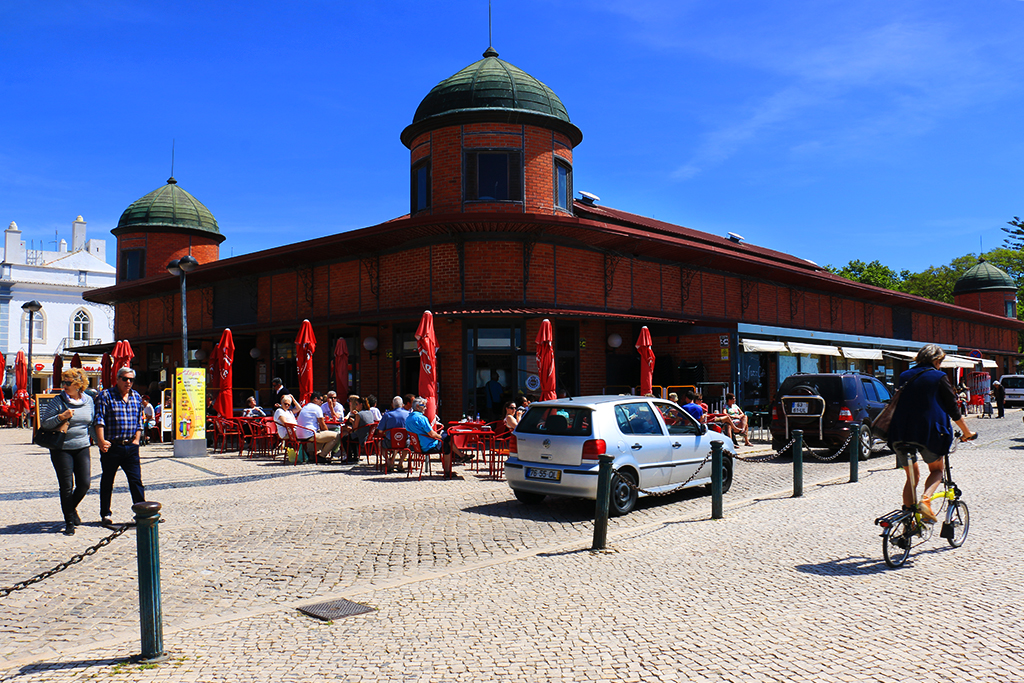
{"x": 186, "y": 264}
{"x": 31, "y": 307}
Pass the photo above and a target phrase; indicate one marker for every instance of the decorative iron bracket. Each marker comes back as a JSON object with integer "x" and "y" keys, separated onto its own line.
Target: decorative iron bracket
{"x": 796, "y": 298}
{"x": 305, "y": 274}
{"x": 746, "y": 289}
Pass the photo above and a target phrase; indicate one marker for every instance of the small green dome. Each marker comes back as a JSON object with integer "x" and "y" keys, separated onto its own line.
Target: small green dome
{"x": 491, "y": 89}
{"x": 168, "y": 206}
{"x": 984, "y": 276}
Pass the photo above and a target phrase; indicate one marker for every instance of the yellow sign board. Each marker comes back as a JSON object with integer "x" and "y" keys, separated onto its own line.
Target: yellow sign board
{"x": 189, "y": 404}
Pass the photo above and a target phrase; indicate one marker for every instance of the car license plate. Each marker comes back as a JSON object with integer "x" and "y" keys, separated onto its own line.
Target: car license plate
{"x": 538, "y": 473}
{"x": 799, "y": 408}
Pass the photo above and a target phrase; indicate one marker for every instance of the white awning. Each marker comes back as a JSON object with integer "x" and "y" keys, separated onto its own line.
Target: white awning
{"x": 865, "y": 354}
{"x": 902, "y": 355}
{"x": 762, "y": 346}
{"x": 986, "y": 363}
{"x": 954, "y": 361}
{"x": 813, "y": 349}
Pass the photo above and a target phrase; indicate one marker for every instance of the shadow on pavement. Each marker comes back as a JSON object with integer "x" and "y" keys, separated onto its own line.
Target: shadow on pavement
{"x": 75, "y": 664}
{"x": 847, "y": 566}
{"x": 553, "y": 510}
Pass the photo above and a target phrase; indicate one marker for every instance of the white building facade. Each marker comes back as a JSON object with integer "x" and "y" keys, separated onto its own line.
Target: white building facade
{"x": 56, "y": 279}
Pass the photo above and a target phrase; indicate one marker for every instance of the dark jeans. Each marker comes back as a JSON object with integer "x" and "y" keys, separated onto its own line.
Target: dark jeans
{"x": 127, "y": 458}
{"x": 74, "y": 469}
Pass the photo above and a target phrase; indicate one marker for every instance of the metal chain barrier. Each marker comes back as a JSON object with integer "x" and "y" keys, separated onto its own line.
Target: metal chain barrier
{"x": 768, "y": 456}
{"x": 841, "y": 451}
{"x": 633, "y": 486}
{"x": 4, "y": 592}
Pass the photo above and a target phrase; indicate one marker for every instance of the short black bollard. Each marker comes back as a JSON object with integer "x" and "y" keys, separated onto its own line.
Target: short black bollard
{"x": 798, "y": 463}
{"x": 604, "y": 491}
{"x": 854, "y": 458}
{"x": 147, "y": 517}
{"x": 716, "y": 480}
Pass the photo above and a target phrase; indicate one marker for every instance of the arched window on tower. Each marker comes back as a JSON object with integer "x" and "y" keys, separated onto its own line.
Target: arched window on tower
{"x": 81, "y": 327}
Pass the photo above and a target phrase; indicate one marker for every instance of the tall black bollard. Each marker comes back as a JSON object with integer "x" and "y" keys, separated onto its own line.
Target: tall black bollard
{"x": 716, "y": 480}
{"x": 855, "y": 457}
{"x": 147, "y": 517}
{"x": 798, "y": 463}
{"x": 604, "y": 492}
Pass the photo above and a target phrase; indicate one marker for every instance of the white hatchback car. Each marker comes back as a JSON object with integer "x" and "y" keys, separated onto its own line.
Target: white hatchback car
{"x": 656, "y": 444}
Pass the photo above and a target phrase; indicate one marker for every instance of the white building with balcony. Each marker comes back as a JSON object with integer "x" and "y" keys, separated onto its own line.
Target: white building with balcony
{"x": 56, "y": 279}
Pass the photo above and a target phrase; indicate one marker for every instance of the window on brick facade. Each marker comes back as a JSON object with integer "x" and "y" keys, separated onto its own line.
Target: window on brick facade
{"x": 133, "y": 264}
{"x": 494, "y": 176}
{"x": 420, "y": 186}
{"x": 1011, "y": 308}
{"x": 563, "y": 186}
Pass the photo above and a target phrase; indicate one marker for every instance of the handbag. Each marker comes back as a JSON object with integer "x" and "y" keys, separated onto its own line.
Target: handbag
{"x": 880, "y": 425}
{"x": 52, "y": 439}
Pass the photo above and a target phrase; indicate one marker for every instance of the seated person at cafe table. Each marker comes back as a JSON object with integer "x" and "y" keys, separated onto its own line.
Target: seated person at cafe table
{"x": 357, "y": 424}
{"x": 394, "y": 419}
{"x": 431, "y": 440}
{"x": 332, "y": 410}
{"x": 285, "y": 415}
{"x": 251, "y": 409}
{"x": 693, "y": 406}
{"x": 311, "y": 420}
{"x": 735, "y": 420}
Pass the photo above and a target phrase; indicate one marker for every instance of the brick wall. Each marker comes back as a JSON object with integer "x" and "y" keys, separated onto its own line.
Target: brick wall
{"x": 164, "y": 247}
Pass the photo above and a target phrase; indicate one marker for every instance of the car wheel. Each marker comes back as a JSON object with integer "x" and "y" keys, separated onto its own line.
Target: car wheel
{"x": 623, "y": 496}
{"x": 867, "y": 441}
{"x": 726, "y": 474}
{"x": 528, "y": 497}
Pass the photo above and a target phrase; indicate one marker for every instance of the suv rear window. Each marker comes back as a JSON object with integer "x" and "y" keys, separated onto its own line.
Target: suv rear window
{"x": 1012, "y": 381}
{"x": 829, "y": 387}
{"x": 556, "y": 421}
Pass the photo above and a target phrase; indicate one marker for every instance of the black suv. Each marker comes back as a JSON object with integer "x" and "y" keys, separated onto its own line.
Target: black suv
{"x": 824, "y": 406}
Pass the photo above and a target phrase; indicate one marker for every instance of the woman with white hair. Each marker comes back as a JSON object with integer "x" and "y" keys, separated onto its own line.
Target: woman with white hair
{"x": 432, "y": 441}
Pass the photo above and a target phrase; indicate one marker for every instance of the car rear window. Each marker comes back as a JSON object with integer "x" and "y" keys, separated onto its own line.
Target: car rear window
{"x": 1012, "y": 381}
{"x": 556, "y": 421}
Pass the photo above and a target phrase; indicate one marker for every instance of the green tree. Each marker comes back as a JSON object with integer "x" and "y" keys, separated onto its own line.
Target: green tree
{"x": 874, "y": 273}
{"x": 936, "y": 282}
{"x": 1015, "y": 241}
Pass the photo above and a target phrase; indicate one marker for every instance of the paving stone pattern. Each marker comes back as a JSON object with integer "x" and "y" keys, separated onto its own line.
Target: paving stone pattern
{"x": 470, "y": 585}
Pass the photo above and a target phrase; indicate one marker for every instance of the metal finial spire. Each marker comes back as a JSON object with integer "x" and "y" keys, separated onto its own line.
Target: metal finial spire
{"x": 172, "y": 157}
{"x": 490, "y": 41}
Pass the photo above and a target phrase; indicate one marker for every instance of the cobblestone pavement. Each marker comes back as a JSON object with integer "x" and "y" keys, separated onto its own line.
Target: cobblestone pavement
{"x": 467, "y": 584}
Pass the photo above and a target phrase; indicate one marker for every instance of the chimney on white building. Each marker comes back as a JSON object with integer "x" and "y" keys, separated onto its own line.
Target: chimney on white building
{"x": 77, "y": 235}
{"x": 14, "y": 248}
{"x": 63, "y": 247}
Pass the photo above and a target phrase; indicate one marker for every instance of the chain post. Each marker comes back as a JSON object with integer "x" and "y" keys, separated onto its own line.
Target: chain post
{"x": 604, "y": 489}
{"x": 716, "y": 480}
{"x": 798, "y": 463}
{"x": 147, "y": 518}
{"x": 854, "y": 456}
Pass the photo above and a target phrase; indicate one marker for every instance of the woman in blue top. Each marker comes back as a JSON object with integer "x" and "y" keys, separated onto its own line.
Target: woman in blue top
{"x": 432, "y": 441}
{"x": 72, "y": 462}
{"x": 921, "y": 424}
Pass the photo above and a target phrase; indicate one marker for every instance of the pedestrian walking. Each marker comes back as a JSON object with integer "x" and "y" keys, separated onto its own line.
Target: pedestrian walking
{"x": 72, "y": 461}
{"x": 119, "y": 426}
{"x": 999, "y": 392}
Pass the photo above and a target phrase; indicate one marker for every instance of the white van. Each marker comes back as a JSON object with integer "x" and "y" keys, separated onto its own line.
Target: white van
{"x": 1014, "y": 385}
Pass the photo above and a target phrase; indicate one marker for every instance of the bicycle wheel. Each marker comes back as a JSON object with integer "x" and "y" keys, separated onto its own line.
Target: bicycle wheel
{"x": 896, "y": 543}
{"x": 960, "y": 520}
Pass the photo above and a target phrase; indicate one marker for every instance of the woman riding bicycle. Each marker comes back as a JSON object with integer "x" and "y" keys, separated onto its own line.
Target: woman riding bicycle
{"x": 921, "y": 424}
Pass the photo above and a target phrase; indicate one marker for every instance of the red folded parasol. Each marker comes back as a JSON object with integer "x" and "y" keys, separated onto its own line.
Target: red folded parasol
{"x": 106, "y": 365}
{"x": 546, "y": 361}
{"x": 341, "y": 369}
{"x": 58, "y": 368}
{"x": 224, "y": 353}
{"x": 3, "y": 378}
{"x": 21, "y": 397}
{"x": 76, "y": 361}
{"x": 643, "y": 345}
{"x": 426, "y": 343}
{"x": 305, "y": 345}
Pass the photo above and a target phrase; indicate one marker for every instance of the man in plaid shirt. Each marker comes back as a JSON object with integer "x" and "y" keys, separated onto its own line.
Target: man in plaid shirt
{"x": 119, "y": 427}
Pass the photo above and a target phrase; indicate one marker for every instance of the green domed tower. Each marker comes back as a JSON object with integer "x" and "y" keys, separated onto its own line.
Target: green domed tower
{"x": 491, "y": 138}
{"x": 162, "y": 226}
{"x": 987, "y": 288}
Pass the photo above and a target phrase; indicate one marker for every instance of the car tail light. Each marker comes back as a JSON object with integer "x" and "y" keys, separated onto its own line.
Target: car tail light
{"x": 594, "y": 448}
{"x": 775, "y": 412}
{"x": 513, "y": 446}
{"x": 845, "y": 415}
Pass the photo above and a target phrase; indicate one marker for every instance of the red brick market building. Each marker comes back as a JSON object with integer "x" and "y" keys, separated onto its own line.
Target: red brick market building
{"x": 493, "y": 244}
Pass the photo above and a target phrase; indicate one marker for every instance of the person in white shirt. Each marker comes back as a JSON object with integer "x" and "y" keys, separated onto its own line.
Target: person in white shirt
{"x": 251, "y": 409}
{"x": 312, "y": 426}
{"x": 331, "y": 409}
{"x": 285, "y": 415}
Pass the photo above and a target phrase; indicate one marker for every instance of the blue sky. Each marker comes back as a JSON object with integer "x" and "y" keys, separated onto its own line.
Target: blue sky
{"x": 830, "y": 130}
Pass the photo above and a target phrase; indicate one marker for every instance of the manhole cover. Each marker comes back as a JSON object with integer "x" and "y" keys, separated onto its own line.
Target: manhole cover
{"x": 334, "y": 609}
